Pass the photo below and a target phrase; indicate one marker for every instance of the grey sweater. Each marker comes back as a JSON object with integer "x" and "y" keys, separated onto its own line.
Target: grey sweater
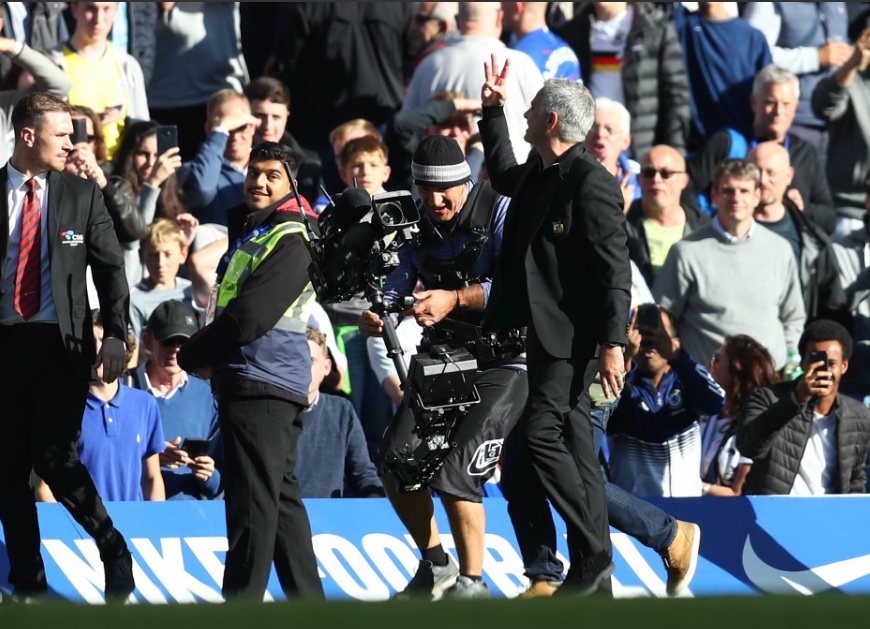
{"x": 713, "y": 288}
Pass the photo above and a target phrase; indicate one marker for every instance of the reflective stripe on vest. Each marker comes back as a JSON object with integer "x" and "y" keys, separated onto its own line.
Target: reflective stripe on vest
{"x": 245, "y": 261}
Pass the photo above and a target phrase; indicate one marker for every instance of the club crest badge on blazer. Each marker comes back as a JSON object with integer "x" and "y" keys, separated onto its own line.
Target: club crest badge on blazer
{"x": 558, "y": 228}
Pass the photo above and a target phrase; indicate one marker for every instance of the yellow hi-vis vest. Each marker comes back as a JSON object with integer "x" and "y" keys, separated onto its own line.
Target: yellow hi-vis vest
{"x": 281, "y": 356}
{"x": 245, "y": 261}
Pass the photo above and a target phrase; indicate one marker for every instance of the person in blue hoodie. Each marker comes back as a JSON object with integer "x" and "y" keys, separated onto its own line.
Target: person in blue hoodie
{"x": 654, "y": 434}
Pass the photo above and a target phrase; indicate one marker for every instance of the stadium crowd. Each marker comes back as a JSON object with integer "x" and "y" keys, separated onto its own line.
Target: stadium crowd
{"x": 736, "y": 132}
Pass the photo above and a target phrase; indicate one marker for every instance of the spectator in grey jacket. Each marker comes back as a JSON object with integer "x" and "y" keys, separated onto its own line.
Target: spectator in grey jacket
{"x": 49, "y": 78}
{"x": 841, "y": 99}
{"x": 803, "y": 436}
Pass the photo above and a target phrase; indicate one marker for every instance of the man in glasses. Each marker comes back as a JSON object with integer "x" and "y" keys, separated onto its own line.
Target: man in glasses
{"x": 658, "y": 220}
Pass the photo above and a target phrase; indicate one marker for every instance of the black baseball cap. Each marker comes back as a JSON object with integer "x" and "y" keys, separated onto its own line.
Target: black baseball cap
{"x": 172, "y": 318}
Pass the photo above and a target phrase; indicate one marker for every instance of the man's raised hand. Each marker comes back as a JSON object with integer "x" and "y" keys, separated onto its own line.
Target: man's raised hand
{"x": 494, "y": 90}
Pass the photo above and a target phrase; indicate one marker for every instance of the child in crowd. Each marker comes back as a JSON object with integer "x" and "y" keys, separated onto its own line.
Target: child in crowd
{"x": 163, "y": 251}
{"x": 365, "y": 159}
{"x": 121, "y": 437}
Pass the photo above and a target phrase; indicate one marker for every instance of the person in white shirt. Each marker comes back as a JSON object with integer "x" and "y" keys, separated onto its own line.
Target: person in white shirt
{"x": 803, "y": 436}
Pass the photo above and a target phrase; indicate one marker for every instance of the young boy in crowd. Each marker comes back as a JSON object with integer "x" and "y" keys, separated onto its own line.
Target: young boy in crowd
{"x": 163, "y": 252}
{"x": 365, "y": 159}
{"x": 333, "y": 460}
{"x": 121, "y": 438}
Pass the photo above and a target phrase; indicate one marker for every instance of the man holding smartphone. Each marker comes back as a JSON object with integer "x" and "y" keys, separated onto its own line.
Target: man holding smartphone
{"x": 192, "y": 462}
{"x": 807, "y": 416}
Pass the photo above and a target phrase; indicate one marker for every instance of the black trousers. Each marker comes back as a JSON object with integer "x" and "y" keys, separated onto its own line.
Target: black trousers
{"x": 266, "y": 519}
{"x": 43, "y": 403}
{"x": 551, "y": 451}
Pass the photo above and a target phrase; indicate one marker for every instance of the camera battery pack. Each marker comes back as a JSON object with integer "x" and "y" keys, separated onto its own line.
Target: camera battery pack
{"x": 443, "y": 378}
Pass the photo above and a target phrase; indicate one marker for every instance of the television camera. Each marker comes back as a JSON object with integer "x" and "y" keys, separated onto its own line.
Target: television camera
{"x": 358, "y": 247}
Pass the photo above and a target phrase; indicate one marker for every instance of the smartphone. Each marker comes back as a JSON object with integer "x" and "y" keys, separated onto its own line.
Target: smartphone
{"x": 648, "y": 316}
{"x": 167, "y": 138}
{"x": 816, "y": 357}
{"x": 195, "y": 447}
{"x": 80, "y": 131}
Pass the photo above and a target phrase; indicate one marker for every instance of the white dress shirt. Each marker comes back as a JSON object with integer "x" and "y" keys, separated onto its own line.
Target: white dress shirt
{"x": 15, "y": 192}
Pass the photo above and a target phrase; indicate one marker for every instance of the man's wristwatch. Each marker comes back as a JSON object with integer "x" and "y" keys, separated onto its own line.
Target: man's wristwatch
{"x": 460, "y": 301}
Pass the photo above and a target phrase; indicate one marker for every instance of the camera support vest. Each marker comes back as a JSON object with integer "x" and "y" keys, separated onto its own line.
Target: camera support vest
{"x": 474, "y": 219}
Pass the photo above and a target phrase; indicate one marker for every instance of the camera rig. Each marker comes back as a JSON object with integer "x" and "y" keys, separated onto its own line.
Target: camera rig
{"x": 357, "y": 248}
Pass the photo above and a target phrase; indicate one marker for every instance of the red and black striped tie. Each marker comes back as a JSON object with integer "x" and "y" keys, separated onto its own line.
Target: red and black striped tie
{"x": 27, "y": 273}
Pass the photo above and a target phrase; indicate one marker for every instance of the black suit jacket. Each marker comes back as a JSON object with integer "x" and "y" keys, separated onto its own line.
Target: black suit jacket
{"x": 575, "y": 263}
{"x": 80, "y": 233}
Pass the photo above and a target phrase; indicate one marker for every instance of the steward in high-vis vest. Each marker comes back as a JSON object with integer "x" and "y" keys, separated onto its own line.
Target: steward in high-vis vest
{"x": 254, "y": 349}
{"x": 460, "y": 240}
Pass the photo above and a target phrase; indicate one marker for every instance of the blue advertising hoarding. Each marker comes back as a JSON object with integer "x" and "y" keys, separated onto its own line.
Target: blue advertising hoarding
{"x": 782, "y": 545}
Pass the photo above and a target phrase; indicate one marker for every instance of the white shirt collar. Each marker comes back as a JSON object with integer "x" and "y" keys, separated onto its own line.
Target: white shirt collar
{"x": 156, "y": 393}
{"x": 17, "y": 179}
{"x": 729, "y": 237}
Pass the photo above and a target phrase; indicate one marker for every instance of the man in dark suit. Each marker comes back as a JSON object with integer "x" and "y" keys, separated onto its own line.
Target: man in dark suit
{"x": 52, "y": 226}
{"x": 565, "y": 273}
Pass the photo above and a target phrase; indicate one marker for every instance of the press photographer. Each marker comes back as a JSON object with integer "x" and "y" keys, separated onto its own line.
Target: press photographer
{"x": 453, "y": 259}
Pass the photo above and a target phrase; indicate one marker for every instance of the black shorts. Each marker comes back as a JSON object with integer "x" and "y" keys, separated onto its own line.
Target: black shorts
{"x": 478, "y": 436}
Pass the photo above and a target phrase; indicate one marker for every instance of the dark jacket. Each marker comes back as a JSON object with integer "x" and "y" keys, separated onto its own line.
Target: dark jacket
{"x": 809, "y": 176}
{"x": 342, "y": 60}
{"x": 76, "y": 211}
{"x": 819, "y": 272}
{"x": 638, "y": 247}
{"x": 653, "y": 75}
{"x": 262, "y": 300}
{"x": 142, "y": 22}
{"x": 773, "y": 430}
{"x": 130, "y": 225}
{"x": 563, "y": 250}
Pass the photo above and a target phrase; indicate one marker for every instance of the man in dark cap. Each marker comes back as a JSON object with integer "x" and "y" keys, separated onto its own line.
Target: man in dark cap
{"x": 460, "y": 239}
{"x": 192, "y": 461}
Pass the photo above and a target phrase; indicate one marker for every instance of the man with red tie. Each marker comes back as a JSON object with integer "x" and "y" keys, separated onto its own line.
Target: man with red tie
{"x": 53, "y": 225}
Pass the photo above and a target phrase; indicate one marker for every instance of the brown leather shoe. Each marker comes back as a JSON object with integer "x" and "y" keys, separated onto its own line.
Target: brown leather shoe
{"x": 681, "y": 557}
{"x": 539, "y": 589}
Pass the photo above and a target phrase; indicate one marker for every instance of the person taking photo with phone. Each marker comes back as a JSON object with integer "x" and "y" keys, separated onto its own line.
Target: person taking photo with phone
{"x": 145, "y": 177}
{"x": 655, "y": 435}
{"x": 807, "y": 416}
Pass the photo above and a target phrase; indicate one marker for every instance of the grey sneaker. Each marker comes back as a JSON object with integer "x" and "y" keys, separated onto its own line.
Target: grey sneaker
{"x": 430, "y": 581}
{"x": 466, "y": 588}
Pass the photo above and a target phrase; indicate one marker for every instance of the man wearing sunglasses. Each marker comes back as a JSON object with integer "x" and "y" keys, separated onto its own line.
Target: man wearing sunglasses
{"x": 658, "y": 220}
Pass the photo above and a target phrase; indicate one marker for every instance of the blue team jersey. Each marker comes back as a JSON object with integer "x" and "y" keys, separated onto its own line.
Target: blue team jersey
{"x": 552, "y": 54}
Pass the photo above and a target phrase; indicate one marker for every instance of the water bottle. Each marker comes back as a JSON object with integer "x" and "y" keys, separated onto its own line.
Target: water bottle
{"x": 792, "y": 369}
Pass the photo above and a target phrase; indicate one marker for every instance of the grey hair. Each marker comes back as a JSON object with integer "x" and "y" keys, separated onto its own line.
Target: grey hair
{"x": 604, "y": 103}
{"x": 446, "y": 12}
{"x": 774, "y": 75}
{"x": 573, "y": 103}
